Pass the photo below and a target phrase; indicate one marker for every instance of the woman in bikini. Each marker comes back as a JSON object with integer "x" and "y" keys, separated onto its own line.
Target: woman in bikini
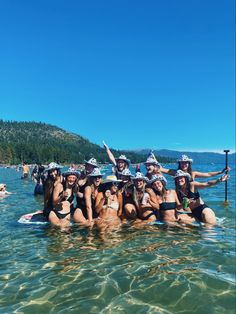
{"x": 87, "y": 206}
{"x": 170, "y": 207}
{"x": 63, "y": 199}
{"x": 143, "y": 202}
{"x": 109, "y": 201}
{"x": 185, "y": 188}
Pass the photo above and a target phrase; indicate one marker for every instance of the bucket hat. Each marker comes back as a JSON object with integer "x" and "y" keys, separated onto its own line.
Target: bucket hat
{"x": 92, "y": 162}
{"x": 156, "y": 177}
{"x": 124, "y": 158}
{"x": 180, "y": 173}
{"x": 96, "y": 173}
{"x": 53, "y": 165}
{"x": 125, "y": 173}
{"x": 71, "y": 171}
{"x": 139, "y": 176}
{"x": 185, "y": 158}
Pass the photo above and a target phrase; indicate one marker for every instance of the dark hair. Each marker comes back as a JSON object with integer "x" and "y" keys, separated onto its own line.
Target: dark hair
{"x": 179, "y": 193}
{"x": 189, "y": 167}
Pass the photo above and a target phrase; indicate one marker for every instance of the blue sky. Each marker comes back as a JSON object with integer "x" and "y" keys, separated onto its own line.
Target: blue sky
{"x": 137, "y": 74}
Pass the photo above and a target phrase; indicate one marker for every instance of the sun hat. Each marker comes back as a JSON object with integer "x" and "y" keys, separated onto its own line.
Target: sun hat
{"x": 92, "y": 162}
{"x": 180, "y": 173}
{"x": 185, "y": 158}
{"x": 111, "y": 178}
{"x": 125, "y": 173}
{"x": 53, "y": 165}
{"x": 139, "y": 176}
{"x": 71, "y": 172}
{"x": 124, "y": 158}
{"x": 156, "y": 177}
{"x": 96, "y": 173}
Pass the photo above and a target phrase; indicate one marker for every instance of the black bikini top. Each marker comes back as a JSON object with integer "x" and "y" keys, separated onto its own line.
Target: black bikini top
{"x": 168, "y": 205}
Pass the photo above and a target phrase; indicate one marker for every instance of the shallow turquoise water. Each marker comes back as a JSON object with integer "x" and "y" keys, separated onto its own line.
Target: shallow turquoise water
{"x": 153, "y": 269}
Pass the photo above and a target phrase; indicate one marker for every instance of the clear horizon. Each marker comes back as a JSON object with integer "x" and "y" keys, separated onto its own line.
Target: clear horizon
{"x": 131, "y": 73}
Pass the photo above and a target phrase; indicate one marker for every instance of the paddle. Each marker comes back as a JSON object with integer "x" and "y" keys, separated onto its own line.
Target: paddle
{"x": 226, "y": 186}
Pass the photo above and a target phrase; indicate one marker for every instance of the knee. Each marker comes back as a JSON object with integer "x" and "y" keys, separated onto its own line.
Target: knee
{"x": 208, "y": 216}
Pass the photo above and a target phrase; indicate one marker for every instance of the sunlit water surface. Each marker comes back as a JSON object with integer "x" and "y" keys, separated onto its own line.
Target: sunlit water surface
{"x": 151, "y": 269}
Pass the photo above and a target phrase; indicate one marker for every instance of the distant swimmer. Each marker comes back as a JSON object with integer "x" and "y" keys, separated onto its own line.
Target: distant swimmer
{"x": 25, "y": 171}
{"x": 3, "y": 191}
{"x": 187, "y": 190}
{"x": 185, "y": 164}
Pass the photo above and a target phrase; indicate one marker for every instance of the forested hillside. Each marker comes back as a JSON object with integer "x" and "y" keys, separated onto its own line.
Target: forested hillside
{"x": 39, "y": 142}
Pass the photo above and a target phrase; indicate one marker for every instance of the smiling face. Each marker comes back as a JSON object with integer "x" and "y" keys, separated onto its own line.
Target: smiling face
{"x": 180, "y": 181}
{"x": 184, "y": 165}
{"x": 121, "y": 165}
{"x": 97, "y": 181}
{"x": 71, "y": 179}
{"x": 139, "y": 184}
{"x": 157, "y": 185}
{"x": 150, "y": 168}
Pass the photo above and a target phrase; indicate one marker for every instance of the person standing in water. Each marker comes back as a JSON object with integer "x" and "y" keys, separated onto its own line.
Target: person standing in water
{"x": 63, "y": 199}
{"x": 120, "y": 163}
{"x": 188, "y": 190}
{"x": 25, "y": 171}
{"x": 52, "y": 177}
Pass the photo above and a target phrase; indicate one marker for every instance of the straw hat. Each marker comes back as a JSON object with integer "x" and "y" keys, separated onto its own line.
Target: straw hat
{"x": 111, "y": 178}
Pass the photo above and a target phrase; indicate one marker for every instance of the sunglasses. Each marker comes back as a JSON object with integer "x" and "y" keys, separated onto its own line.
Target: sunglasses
{"x": 115, "y": 183}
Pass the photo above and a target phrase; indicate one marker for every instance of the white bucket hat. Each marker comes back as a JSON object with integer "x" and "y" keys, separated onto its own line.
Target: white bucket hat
{"x": 156, "y": 177}
{"x": 180, "y": 173}
{"x": 185, "y": 158}
{"x": 124, "y": 158}
{"x": 125, "y": 173}
{"x": 153, "y": 161}
{"x": 53, "y": 165}
{"x": 71, "y": 171}
{"x": 139, "y": 176}
{"x": 92, "y": 162}
{"x": 96, "y": 173}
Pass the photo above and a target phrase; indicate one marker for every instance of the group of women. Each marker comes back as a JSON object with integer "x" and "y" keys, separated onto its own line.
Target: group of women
{"x": 87, "y": 197}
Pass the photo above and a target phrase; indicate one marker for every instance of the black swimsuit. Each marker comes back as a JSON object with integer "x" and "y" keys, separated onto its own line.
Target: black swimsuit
{"x": 197, "y": 211}
{"x": 168, "y": 206}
